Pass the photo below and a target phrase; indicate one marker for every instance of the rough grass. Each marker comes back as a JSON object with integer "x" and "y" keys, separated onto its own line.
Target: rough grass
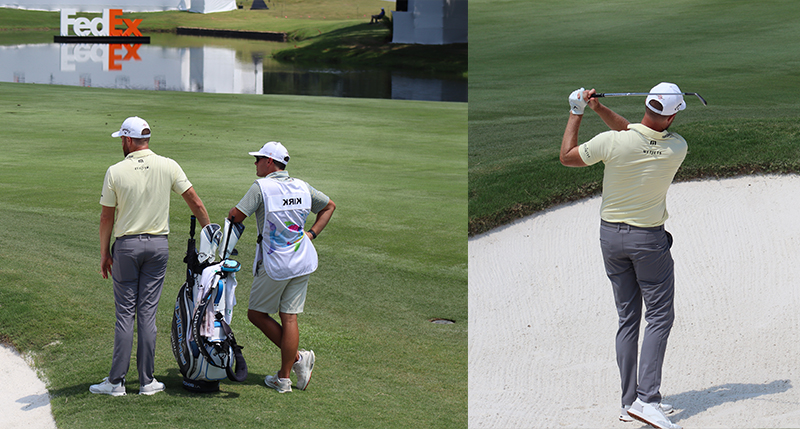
{"x": 526, "y": 57}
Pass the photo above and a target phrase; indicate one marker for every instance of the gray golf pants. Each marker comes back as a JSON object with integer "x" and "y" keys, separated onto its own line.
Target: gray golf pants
{"x": 140, "y": 263}
{"x": 639, "y": 264}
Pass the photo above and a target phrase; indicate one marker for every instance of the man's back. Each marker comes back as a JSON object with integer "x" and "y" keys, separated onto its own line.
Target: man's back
{"x": 139, "y": 186}
{"x": 640, "y": 164}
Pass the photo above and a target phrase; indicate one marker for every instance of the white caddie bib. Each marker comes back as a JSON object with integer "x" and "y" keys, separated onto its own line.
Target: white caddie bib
{"x": 285, "y": 249}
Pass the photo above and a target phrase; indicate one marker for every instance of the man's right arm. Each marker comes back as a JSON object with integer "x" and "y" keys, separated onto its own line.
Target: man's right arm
{"x": 237, "y": 215}
{"x": 611, "y": 118}
{"x": 250, "y": 202}
{"x": 106, "y": 228}
{"x": 323, "y": 216}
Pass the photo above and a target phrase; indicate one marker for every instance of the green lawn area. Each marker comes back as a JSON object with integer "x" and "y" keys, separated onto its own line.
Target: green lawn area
{"x": 526, "y": 58}
{"x": 393, "y": 257}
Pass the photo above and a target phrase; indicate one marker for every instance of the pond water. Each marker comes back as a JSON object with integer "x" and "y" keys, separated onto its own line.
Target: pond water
{"x": 205, "y": 64}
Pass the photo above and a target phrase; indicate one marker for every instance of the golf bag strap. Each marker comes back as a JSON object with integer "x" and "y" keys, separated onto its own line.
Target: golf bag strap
{"x": 197, "y": 322}
{"x": 237, "y": 369}
{"x": 239, "y": 373}
{"x": 237, "y": 366}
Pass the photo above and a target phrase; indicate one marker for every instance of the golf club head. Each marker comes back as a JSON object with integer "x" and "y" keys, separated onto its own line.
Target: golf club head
{"x": 230, "y": 234}
{"x": 210, "y": 237}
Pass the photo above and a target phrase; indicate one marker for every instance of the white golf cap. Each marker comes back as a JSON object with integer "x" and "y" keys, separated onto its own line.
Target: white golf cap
{"x": 671, "y": 104}
{"x": 274, "y": 150}
{"x": 134, "y": 127}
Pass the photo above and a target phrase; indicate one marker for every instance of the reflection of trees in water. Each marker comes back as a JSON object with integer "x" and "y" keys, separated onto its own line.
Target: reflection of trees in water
{"x": 333, "y": 84}
{"x": 211, "y": 69}
{"x": 363, "y": 84}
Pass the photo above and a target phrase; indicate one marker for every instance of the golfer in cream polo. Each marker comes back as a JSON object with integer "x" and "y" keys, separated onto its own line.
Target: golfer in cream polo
{"x": 640, "y": 162}
{"x": 285, "y": 257}
{"x": 135, "y": 208}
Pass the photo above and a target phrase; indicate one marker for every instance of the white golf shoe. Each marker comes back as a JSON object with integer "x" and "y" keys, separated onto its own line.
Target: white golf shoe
{"x": 651, "y": 414}
{"x": 154, "y": 387}
{"x": 623, "y": 412}
{"x": 282, "y": 385}
{"x": 108, "y": 388}
{"x": 303, "y": 368}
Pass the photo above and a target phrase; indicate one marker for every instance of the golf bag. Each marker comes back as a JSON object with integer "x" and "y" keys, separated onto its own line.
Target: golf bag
{"x": 202, "y": 339}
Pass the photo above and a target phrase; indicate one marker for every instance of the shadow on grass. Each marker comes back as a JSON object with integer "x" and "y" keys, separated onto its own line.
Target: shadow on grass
{"x": 369, "y": 46}
{"x": 173, "y": 382}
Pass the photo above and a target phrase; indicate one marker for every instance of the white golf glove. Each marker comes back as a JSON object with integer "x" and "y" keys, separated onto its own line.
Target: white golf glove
{"x": 576, "y": 102}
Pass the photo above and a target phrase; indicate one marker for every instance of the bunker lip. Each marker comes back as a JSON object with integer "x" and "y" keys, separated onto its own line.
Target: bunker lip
{"x": 23, "y": 396}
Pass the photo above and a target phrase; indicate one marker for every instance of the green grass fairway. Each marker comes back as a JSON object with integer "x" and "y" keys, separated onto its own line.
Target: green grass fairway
{"x": 526, "y": 58}
{"x": 393, "y": 256}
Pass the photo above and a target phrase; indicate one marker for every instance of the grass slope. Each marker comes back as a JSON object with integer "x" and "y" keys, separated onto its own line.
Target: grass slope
{"x": 282, "y": 15}
{"x": 526, "y": 57}
{"x": 393, "y": 256}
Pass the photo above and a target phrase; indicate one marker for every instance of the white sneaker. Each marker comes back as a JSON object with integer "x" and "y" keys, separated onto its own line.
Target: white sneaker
{"x": 282, "y": 385}
{"x": 303, "y": 368}
{"x": 107, "y": 388}
{"x": 651, "y": 414}
{"x": 624, "y": 417}
{"x": 154, "y": 387}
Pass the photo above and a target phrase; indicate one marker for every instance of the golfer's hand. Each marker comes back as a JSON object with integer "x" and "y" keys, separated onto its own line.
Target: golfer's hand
{"x": 576, "y": 102}
{"x": 591, "y": 102}
{"x": 105, "y": 266}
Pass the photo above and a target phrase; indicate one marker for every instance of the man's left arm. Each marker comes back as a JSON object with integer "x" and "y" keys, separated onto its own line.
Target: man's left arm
{"x": 196, "y": 206}
{"x": 323, "y": 216}
{"x": 570, "y": 155}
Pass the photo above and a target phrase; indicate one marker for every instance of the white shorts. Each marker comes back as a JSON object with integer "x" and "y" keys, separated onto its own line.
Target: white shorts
{"x": 271, "y": 296}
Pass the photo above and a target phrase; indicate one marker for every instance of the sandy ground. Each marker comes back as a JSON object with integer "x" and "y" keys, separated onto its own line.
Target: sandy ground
{"x": 542, "y": 317}
{"x": 24, "y": 401}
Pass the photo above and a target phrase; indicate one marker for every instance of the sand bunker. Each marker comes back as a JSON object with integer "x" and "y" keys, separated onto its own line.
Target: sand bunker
{"x": 542, "y": 318}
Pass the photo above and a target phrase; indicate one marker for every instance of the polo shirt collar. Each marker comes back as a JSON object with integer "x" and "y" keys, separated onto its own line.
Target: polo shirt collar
{"x": 649, "y": 132}
{"x": 278, "y": 174}
{"x": 139, "y": 154}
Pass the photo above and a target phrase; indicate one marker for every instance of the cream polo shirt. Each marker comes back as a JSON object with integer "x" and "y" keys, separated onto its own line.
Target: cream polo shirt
{"x": 640, "y": 164}
{"x": 139, "y": 188}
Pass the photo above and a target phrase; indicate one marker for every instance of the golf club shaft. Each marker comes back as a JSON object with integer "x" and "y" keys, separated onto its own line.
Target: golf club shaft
{"x": 626, "y": 94}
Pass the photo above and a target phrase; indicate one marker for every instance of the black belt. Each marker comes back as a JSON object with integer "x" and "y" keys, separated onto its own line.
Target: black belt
{"x": 626, "y": 227}
{"x": 143, "y": 236}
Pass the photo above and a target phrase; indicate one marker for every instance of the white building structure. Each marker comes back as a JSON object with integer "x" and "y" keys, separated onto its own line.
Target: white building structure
{"x": 431, "y": 22}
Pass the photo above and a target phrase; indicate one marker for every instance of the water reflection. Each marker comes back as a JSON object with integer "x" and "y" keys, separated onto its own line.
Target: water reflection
{"x": 206, "y": 68}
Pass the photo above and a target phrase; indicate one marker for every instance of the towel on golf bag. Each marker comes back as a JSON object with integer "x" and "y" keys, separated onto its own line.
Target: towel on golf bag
{"x": 223, "y": 301}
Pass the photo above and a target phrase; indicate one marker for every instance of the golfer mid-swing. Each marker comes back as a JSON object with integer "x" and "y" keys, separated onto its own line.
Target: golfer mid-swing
{"x": 640, "y": 162}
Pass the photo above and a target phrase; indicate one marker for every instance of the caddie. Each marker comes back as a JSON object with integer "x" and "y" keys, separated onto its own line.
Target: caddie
{"x": 285, "y": 257}
{"x": 640, "y": 163}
